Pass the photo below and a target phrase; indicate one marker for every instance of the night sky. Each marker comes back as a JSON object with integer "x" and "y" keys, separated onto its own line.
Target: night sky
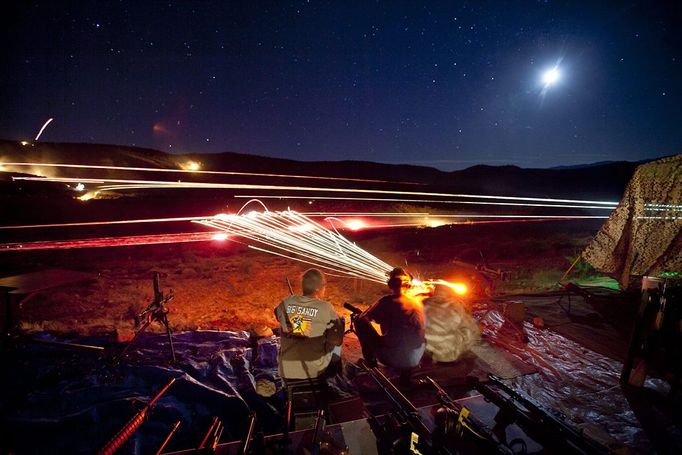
{"x": 444, "y": 84}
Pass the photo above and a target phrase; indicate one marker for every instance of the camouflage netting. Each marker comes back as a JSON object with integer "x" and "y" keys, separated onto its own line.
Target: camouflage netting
{"x": 642, "y": 235}
{"x": 450, "y": 329}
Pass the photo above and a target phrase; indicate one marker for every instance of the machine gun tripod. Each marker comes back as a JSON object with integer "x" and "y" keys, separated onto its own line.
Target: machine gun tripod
{"x": 157, "y": 311}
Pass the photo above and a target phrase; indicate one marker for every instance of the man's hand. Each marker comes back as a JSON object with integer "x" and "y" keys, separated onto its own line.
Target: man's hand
{"x": 334, "y": 334}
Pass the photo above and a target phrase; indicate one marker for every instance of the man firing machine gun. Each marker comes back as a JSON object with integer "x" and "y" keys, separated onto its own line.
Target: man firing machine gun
{"x": 453, "y": 428}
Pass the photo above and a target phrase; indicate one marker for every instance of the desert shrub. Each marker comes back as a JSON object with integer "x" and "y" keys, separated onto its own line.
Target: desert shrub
{"x": 205, "y": 272}
{"x": 188, "y": 257}
{"x": 469, "y": 254}
{"x": 189, "y": 272}
{"x": 245, "y": 267}
{"x": 212, "y": 263}
{"x": 506, "y": 250}
{"x": 546, "y": 278}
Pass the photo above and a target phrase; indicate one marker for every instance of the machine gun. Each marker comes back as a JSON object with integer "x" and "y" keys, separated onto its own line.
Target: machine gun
{"x": 317, "y": 435}
{"x": 414, "y": 436}
{"x": 155, "y": 312}
{"x": 133, "y": 424}
{"x": 212, "y": 437}
{"x": 540, "y": 424}
{"x": 354, "y": 313}
{"x": 253, "y": 441}
{"x": 169, "y": 436}
{"x": 456, "y": 427}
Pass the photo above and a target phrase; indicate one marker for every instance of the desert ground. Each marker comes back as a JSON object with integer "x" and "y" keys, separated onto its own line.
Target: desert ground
{"x": 225, "y": 285}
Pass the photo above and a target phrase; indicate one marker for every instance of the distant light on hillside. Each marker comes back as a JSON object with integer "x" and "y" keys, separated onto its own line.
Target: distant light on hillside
{"x": 191, "y": 166}
{"x": 435, "y": 223}
{"x": 87, "y": 196}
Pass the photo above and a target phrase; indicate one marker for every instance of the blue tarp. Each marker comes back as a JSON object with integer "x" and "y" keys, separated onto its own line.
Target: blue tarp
{"x": 58, "y": 400}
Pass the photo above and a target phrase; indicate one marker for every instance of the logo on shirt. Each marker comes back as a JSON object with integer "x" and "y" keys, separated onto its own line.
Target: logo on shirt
{"x": 300, "y": 318}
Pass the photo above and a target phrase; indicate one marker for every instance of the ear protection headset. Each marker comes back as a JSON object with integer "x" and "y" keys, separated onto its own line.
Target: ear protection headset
{"x": 394, "y": 278}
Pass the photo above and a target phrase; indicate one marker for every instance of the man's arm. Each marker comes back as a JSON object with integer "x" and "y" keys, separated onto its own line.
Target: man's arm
{"x": 335, "y": 330}
{"x": 371, "y": 313}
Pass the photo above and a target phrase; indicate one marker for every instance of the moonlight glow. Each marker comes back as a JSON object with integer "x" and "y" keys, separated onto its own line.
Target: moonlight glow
{"x": 551, "y": 76}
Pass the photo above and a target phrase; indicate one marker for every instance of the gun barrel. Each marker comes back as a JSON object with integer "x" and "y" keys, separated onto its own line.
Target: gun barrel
{"x": 319, "y": 428}
{"x": 353, "y": 309}
{"x": 133, "y": 424}
{"x": 245, "y": 446}
{"x": 165, "y": 442}
{"x": 157, "y": 285}
{"x": 404, "y": 406}
{"x": 287, "y": 419}
{"x": 441, "y": 392}
{"x": 215, "y": 423}
{"x": 161, "y": 392}
{"x": 67, "y": 345}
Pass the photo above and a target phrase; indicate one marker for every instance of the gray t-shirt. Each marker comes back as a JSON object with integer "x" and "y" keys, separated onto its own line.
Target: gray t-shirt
{"x": 304, "y": 349}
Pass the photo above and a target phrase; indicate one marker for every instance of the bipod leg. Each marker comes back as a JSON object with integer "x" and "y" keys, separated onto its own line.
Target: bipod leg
{"x": 118, "y": 357}
{"x": 164, "y": 320}
{"x": 565, "y": 309}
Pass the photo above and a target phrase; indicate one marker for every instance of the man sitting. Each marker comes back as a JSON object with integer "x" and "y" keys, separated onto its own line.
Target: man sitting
{"x": 311, "y": 330}
{"x": 401, "y": 318}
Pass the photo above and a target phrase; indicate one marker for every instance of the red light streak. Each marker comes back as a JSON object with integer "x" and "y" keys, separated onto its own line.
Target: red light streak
{"x": 356, "y": 225}
{"x": 426, "y": 222}
{"x": 352, "y": 224}
{"x": 104, "y": 223}
{"x": 106, "y": 242}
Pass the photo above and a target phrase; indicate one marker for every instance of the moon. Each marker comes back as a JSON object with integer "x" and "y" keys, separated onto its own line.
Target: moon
{"x": 551, "y": 76}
